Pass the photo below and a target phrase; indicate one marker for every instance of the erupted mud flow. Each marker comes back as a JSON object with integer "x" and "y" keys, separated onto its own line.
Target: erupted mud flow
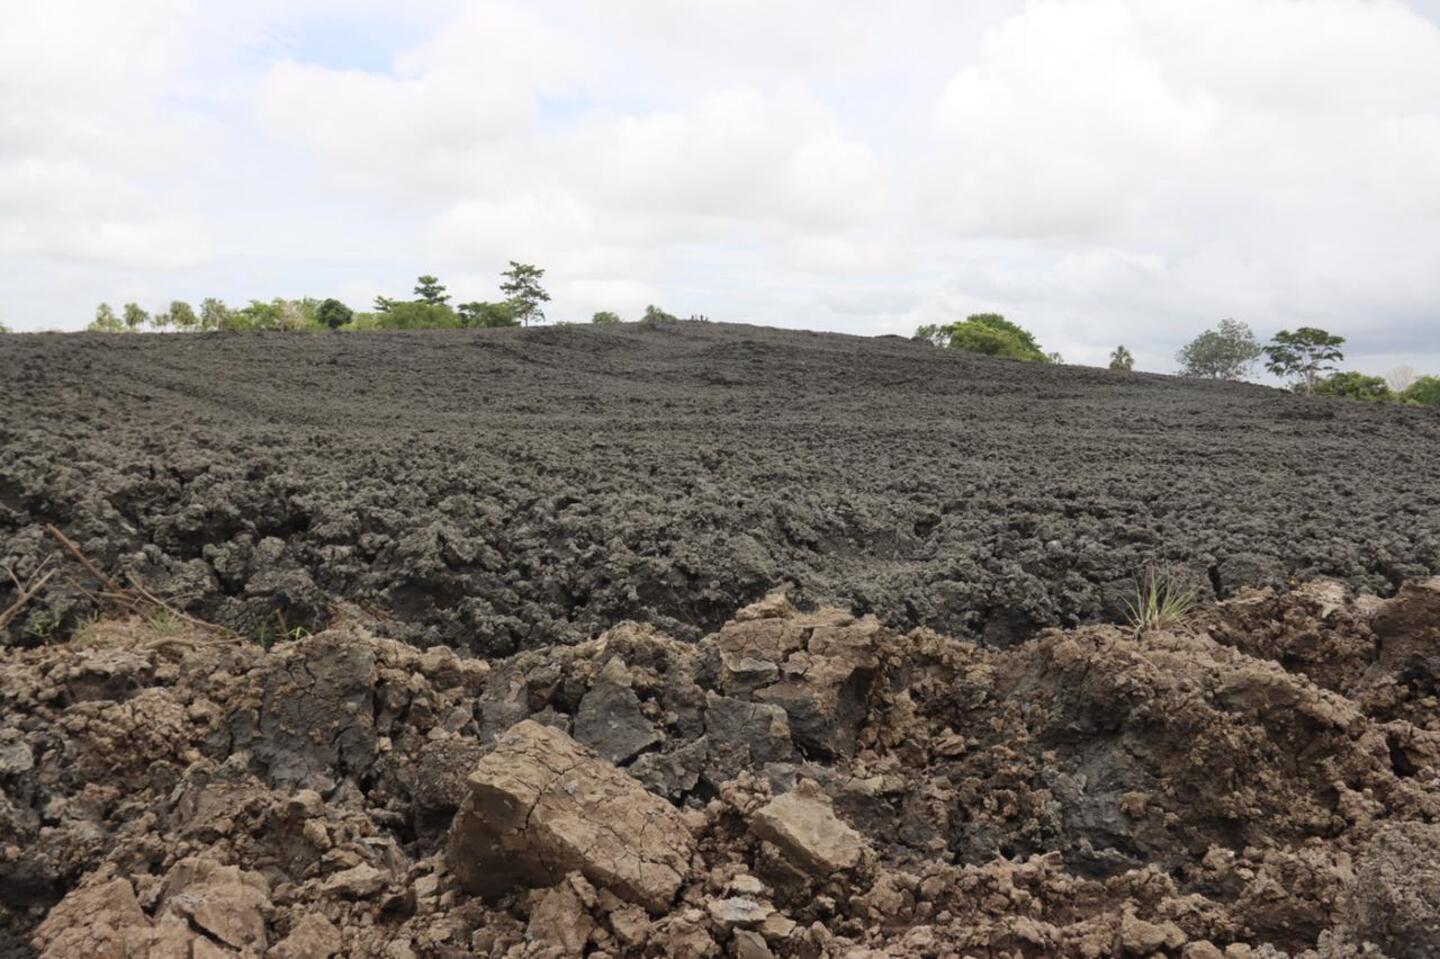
{"x": 1259, "y": 782}
{"x": 505, "y": 490}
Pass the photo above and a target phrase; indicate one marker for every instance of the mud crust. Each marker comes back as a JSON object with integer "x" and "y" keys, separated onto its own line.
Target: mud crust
{"x": 503, "y": 490}
{"x": 1263, "y": 782}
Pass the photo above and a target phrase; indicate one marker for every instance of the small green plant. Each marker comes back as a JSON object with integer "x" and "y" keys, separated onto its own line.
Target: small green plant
{"x": 1160, "y": 603}
{"x": 297, "y": 633}
{"x": 162, "y": 622}
{"x": 42, "y": 627}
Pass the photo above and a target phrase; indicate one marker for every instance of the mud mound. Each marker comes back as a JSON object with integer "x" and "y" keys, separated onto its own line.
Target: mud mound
{"x": 503, "y": 490}
{"x": 796, "y": 784}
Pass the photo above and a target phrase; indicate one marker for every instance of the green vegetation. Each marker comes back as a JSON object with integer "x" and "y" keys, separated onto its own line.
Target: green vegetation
{"x": 182, "y": 316}
{"x": 605, "y": 317}
{"x": 1121, "y": 359}
{"x": 1423, "y": 392}
{"x": 1227, "y": 352}
{"x": 523, "y": 292}
{"x": 105, "y": 321}
{"x": 1306, "y": 354}
{"x": 1159, "y": 603}
{"x": 990, "y": 334}
{"x": 332, "y": 314}
{"x": 213, "y": 314}
{"x": 487, "y": 316}
{"x": 135, "y": 317}
{"x": 653, "y": 314}
{"x": 430, "y": 291}
{"x": 3, "y": 327}
{"x": 1352, "y": 385}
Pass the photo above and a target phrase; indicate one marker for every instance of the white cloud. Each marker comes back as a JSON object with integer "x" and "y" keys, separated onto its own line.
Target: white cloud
{"x": 1102, "y": 170}
{"x": 1272, "y": 160}
{"x": 83, "y": 136}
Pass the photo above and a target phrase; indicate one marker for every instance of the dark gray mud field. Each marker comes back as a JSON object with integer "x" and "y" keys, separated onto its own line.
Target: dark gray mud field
{"x": 502, "y": 490}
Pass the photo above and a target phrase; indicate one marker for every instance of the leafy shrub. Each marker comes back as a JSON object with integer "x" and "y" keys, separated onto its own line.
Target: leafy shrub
{"x": 333, "y": 314}
{"x": 1425, "y": 391}
{"x": 484, "y": 315}
{"x": 1355, "y": 386}
{"x": 653, "y": 314}
{"x": 605, "y": 317}
{"x": 987, "y": 333}
{"x": 419, "y": 315}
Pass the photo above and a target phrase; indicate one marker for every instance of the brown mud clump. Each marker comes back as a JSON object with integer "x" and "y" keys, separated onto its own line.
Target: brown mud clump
{"x": 1261, "y": 782}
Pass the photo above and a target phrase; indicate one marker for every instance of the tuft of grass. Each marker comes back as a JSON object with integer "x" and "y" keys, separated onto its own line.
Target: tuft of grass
{"x": 1160, "y": 603}
{"x": 85, "y": 632}
{"x": 162, "y": 622}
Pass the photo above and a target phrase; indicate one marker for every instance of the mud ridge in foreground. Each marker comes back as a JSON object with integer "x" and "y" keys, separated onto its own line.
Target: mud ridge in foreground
{"x": 1264, "y": 781}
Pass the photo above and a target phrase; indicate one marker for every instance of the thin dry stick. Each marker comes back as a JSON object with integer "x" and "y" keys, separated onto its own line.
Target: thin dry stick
{"x": 105, "y": 581}
{"x": 128, "y": 597}
{"x": 25, "y": 597}
{"x": 152, "y": 598}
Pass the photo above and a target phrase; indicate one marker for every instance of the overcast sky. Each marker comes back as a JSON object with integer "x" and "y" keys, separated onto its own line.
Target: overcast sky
{"x": 1101, "y": 171}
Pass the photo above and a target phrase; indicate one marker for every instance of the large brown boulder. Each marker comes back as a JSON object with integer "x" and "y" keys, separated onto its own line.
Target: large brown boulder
{"x": 540, "y": 806}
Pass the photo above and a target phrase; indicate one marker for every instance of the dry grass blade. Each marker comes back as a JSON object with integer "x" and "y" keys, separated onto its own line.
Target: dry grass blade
{"x": 136, "y": 599}
{"x": 1160, "y": 603}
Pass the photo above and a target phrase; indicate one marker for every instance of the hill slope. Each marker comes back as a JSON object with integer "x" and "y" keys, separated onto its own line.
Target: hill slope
{"x": 503, "y": 489}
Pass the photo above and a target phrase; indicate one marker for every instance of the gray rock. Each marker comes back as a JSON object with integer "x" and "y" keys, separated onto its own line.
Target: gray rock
{"x": 672, "y": 774}
{"x": 743, "y": 735}
{"x": 610, "y": 722}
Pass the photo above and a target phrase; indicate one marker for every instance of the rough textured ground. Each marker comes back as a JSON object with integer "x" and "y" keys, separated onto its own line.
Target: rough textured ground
{"x": 1262, "y": 782}
{"x": 510, "y": 489}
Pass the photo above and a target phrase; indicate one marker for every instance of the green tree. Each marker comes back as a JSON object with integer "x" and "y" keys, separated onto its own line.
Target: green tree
{"x": 106, "y": 321}
{"x": 1306, "y": 353}
{"x": 1227, "y": 352}
{"x": 419, "y": 315}
{"x": 1425, "y": 391}
{"x": 522, "y": 288}
{"x": 1121, "y": 359}
{"x": 258, "y": 315}
{"x": 3, "y": 327}
{"x": 605, "y": 317}
{"x": 430, "y": 291}
{"x": 1355, "y": 386}
{"x": 160, "y": 320}
{"x": 933, "y": 333}
{"x": 990, "y": 334}
{"x": 383, "y": 304}
{"x": 214, "y": 314}
{"x": 483, "y": 315}
{"x": 135, "y": 317}
{"x": 333, "y": 314}
{"x": 653, "y": 314}
{"x": 183, "y": 316}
